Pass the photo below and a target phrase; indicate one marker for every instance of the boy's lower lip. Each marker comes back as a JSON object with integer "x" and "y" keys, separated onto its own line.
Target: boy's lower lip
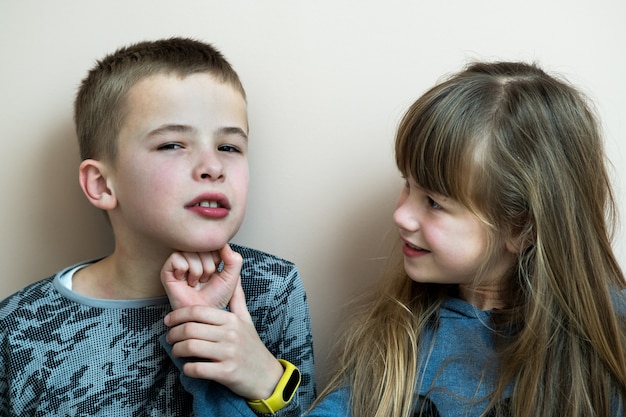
{"x": 413, "y": 252}
{"x": 210, "y": 212}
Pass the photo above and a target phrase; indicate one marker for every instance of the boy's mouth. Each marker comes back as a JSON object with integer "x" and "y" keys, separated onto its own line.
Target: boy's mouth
{"x": 210, "y": 200}
{"x": 211, "y": 204}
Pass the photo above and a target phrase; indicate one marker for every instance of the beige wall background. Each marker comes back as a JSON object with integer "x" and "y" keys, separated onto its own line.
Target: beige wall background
{"x": 327, "y": 82}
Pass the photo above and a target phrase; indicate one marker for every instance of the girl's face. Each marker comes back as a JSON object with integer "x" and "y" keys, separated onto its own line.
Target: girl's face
{"x": 444, "y": 242}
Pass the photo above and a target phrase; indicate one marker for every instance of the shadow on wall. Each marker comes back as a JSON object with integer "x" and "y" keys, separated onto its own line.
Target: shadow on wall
{"x": 67, "y": 228}
{"x": 354, "y": 265}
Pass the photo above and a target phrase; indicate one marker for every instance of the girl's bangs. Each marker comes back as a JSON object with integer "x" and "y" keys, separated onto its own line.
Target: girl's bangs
{"x": 437, "y": 149}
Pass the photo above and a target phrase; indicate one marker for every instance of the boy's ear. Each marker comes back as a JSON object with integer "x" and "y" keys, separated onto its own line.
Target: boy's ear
{"x": 92, "y": 175}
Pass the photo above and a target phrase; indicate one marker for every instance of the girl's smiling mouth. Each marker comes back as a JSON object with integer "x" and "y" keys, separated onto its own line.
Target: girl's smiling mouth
{"x": 411, "y": 250}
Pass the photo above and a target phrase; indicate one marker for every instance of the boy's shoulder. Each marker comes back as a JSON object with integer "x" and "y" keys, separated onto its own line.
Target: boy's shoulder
{"x": 265, "y": 276}
{"x": 262, "y": 264}
{"x": 40, "y": 294}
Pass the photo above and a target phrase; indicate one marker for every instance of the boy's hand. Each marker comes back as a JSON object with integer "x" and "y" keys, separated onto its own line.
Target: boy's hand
{"x": 225, "y": 346}
{"x": 192, "y": 279}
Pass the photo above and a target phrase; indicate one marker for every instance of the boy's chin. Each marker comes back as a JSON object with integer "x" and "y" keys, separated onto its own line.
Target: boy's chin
{"x": 203, "y": 248}
{"x": 202, "y": 240}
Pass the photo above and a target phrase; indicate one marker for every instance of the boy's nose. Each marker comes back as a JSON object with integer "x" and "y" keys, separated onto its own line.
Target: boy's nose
{"x": 206, "y": 176}
{"x": 210, "y": 168}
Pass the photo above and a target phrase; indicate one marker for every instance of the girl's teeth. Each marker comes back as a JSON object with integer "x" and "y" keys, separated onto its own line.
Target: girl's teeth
{"x": 211, "y": 204}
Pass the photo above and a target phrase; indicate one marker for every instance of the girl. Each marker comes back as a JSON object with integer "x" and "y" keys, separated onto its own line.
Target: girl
{"x": 509, "y": 302}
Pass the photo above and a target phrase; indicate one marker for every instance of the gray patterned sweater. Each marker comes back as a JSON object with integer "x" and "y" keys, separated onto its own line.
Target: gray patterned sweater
{"x": 62, "y": 354}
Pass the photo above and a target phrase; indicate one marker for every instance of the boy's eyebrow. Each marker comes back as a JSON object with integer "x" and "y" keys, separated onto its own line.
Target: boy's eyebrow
{"x": 180, "y": 128}
{"x": 233, "y": 131}
{"x": 171, "y": 128}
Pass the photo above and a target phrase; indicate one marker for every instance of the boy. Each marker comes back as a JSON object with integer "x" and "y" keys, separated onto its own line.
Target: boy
{"x": 162, "y": 128}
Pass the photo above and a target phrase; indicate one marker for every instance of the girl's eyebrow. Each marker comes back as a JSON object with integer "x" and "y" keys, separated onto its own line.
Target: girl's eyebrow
{"x": 440, "y": 197}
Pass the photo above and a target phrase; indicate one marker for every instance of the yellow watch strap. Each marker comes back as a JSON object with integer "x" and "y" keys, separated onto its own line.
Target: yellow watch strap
{"x": 283, "y": 393}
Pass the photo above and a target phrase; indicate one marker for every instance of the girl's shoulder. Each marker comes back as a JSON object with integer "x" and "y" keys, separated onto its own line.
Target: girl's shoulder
{"x": 618, "y": 298}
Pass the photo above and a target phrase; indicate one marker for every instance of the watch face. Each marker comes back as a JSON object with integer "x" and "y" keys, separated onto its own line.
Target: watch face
{"x": 291, "y": 385}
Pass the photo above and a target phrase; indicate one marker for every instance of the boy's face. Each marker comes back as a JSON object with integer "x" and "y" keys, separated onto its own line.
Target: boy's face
{"x": 181, "y": 175}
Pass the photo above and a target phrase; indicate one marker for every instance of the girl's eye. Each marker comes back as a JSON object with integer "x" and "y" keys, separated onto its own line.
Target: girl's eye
{"x": 228, "y": 148}
{"x": 169, "y": 146}
{"x": 433, "y": 204}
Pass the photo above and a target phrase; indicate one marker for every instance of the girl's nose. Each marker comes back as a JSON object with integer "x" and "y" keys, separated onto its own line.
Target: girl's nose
{"x": 406, "y": 216}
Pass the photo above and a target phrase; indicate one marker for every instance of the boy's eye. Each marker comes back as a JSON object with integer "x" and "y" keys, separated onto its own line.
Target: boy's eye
{"x": 228, "y": 148}
{"x": 170, "y": 146}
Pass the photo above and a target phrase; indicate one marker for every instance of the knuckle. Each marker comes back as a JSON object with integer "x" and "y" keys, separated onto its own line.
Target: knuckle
{"x": 187, "y": 330}
{"x": 196, "y": 311}
{"x": 194, "y": 347}
{"x": 232, "y": 336}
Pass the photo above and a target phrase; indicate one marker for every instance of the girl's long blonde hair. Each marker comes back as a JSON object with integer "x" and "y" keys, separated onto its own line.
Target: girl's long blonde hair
{"x": 522, "y": 150}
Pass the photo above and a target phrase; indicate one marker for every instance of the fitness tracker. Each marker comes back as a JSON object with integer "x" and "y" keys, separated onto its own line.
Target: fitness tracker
{"x": 283, "y": 393}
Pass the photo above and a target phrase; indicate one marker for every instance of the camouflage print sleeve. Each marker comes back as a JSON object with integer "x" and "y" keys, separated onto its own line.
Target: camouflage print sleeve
{"x": 4, "y": 383}
{"x": 279, "y": 308}
{"x": 297, "y": 345}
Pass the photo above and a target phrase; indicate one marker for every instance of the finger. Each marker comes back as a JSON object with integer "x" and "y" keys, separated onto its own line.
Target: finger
{"x": 232, "y": 261}
{"x": 229, "y": 274}
{"x": 199, "y": 314}
{"x": 209, "y": 261}
{"x": 227, "y": 373}
{"x": 206, "y": 370}
{"x": 195, "y": 269}
{"x": 188, "y": 335}
{"x": 238, "y": 304}
{"x": 175, "y": 266}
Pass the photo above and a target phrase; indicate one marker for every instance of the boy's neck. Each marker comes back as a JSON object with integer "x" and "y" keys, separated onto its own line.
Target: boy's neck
{"x": 114, "y": 278}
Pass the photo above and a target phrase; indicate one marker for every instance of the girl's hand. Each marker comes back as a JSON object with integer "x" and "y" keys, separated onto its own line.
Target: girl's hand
{"x": 225, "y": 347}
{"x": 192, "y": 279}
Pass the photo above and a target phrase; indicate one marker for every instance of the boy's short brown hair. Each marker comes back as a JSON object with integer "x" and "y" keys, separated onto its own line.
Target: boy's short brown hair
{"x": 99, "y": 108}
